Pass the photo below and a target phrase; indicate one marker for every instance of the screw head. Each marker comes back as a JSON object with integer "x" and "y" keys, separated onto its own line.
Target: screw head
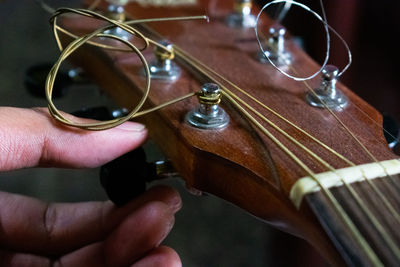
{"x": 210, "y": 88}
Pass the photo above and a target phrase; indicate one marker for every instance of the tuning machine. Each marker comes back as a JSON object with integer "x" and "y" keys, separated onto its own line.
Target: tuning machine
{"x": 35, "y": 80}
{"x": 125, "y": 177}
{"x": 116, "y": 11}
{"x": 208, "y": 115}
{"x": 163, "y": 67}
{"x": 241, "y": 17}
{"x": 276, "y": 51}
{"x": 327, "y": 95}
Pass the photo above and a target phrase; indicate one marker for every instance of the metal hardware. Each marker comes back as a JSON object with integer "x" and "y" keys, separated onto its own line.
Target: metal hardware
{"x": 276, "y": 48}
{"x": 327, "y": 95}
{"x": 208, "y": 115}
{"x": 163, "y": 67}
{"x": 242, "y": 16}
{"x": 116, "y": 11}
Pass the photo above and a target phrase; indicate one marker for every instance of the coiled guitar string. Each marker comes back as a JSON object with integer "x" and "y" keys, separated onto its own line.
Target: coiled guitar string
{"x": 86, "y": 39}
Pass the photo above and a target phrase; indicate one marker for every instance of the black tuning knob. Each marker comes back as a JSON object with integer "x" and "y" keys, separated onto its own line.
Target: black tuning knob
{"x": 125, "y": 177}
{"x": 35, "y": 80}
{"x": 101, "y": 113}
{"x": 391, "y": 131}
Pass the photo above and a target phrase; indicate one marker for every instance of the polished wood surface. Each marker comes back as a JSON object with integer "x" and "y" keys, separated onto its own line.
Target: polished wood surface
{"x": 238, "y": 163}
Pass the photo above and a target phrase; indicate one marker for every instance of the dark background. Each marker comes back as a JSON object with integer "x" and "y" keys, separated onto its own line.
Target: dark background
{"x": 208, "y": 232}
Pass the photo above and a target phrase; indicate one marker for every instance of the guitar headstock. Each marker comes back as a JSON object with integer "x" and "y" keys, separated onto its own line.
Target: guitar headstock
{"x": 239, "y": 162}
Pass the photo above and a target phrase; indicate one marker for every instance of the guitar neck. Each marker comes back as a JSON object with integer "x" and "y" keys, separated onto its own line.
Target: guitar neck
{"x": 369, "y": 213}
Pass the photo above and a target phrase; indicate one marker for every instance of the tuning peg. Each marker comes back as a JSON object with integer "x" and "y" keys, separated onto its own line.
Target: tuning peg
{"x": 125, "y": 177}
{"x": 391, "y": 131}
{"x": 241, "y": 17}
{"x": 101, "y": 113}
{"x": 327, "y": 95}
{"x": 163, "y": 67}
{"x": 116, "y": 11}
{"x": 35, "y": 80}
{"x": 276, "y": 51}
{"x": 208, "y": 115}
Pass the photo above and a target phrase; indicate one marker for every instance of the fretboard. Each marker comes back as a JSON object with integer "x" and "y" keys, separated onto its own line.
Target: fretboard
{"x": 375, "y": 215}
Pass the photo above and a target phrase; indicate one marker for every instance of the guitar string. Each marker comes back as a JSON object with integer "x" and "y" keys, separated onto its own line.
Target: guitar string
{"x": 284, "y": 9}
{"x": 387, "y": 204}
{"x": 391, "y": 178}
{"x": 360, "y": 202}
{"x": 371, "y": 184}
{"x": 74, "y": 45}
{"x": 343, "y": 215}
{"x": 353, "y": 193}
{"x": 384, "y": 199}
{"x": 327, "y": 28}
{"x": 89, "y": 37}
{"x": 123, "y": 25}
{"x": 380, "y": 194}
{"x": 391, "y": 244}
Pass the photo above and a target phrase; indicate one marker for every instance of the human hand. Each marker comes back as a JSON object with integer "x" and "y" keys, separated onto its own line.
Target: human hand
{"x": 34, "y": 233}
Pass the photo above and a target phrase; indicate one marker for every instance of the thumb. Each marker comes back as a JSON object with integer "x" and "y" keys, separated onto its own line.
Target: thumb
{"x": 30, "y": 137}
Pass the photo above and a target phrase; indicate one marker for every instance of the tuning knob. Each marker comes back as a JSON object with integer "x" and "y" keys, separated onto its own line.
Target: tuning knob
{"x": 35, "y": 80}
{"x": 276, "y": 51}
{"x": 327, "y": 95}
{"x": 125, "y": 178}
{"x": 241, "y": 17}
{"x": 163, "y": 67}
{"x": 208, "y": 115}
{"x": 391, "y": 131}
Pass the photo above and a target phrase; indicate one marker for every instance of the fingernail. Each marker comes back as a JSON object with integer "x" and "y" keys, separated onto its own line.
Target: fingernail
{"x": 175, "y": 203}
{"x": 131, "y": 126}
{"x": 168, "y": 227}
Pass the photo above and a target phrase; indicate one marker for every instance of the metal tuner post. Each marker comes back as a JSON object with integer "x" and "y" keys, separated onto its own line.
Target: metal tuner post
{"x": 276, "y": 48}
{"x": 208, "y": 115}
{"x": 327, "y": 95}
{"x": 163, "y": 67}
{"x": 241, "y": 17}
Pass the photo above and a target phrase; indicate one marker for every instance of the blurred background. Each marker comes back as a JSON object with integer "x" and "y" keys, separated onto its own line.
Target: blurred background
{"x": 208, "y": 231}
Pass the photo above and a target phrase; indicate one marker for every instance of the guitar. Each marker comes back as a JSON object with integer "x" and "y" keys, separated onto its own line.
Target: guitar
{"x": 308, "y": 171}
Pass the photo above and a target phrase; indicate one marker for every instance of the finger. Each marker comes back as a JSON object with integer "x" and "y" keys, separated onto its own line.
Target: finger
{"x": 160, "y": 257}
{"x": 61, "y": 228}
{"x": 139, "y": 233}
{"x": 13, "y": 259}
{"x": 30, "y": 137}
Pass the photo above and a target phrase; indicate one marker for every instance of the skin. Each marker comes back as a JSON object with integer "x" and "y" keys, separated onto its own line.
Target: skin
{"x": 35, "y": 233}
